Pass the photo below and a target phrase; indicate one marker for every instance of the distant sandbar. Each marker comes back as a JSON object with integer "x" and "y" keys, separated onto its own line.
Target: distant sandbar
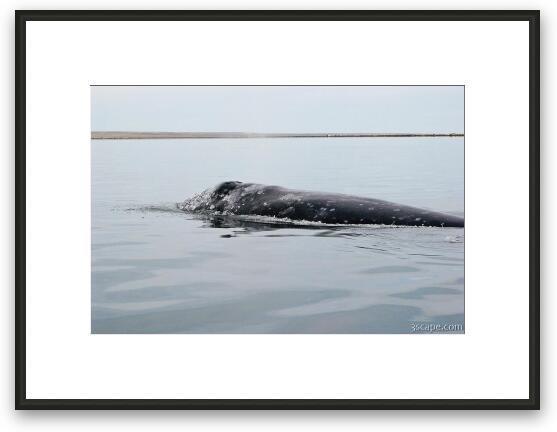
{"x": 177, "y": 135}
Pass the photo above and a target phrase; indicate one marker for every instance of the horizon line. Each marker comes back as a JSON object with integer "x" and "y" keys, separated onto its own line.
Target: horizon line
{"x": 167, "y": 135}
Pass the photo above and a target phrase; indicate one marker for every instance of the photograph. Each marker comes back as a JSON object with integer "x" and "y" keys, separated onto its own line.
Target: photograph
{"x": 277, "y": 209}
{"x": 268, "y": 209}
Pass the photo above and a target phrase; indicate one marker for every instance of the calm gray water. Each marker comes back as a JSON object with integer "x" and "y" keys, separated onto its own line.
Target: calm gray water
{"x": 159, "y": 270}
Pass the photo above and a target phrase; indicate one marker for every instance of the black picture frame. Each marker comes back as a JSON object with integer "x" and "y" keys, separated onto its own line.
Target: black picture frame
{"x": 531, "y": 16}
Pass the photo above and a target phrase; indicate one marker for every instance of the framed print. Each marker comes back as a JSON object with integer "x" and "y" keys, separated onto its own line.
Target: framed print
{"x": 267, "y": 210}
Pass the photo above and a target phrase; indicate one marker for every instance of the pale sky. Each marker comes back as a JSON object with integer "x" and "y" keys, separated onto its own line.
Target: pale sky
{"x": 427, "y": 109}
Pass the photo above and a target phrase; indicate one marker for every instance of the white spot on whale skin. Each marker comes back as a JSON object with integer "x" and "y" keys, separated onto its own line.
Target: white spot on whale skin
{"x": 265, "y": 204}
{"x": 418, "y": 219}
{"x": 332, "y": 210}
{"x": 212, "y": 206}
{"x": 345, "y": 221}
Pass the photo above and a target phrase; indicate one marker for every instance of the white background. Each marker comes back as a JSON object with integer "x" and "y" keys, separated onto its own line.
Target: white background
{"x": 42, "y": 421}
{"x": 65, "y": 361}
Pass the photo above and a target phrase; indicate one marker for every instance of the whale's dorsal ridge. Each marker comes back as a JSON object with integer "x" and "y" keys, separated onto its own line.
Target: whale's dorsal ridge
{"x": 253, "y": 199}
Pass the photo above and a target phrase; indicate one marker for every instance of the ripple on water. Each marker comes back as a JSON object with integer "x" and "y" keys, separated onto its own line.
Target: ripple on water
{"x": 391, "y": 269}
{"x": 420, "y": 293}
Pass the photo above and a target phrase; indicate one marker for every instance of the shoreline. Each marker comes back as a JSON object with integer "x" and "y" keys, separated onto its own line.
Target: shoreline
{"x": 213, "y": 135}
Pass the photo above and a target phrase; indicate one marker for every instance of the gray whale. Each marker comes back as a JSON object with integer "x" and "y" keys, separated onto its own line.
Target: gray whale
{"x": 237, "y": 198}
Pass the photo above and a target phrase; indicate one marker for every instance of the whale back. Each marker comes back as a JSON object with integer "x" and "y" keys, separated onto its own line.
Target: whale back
{"x": 237, "y": 198}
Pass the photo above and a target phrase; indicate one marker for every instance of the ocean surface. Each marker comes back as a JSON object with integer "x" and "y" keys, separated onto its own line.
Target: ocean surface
{"x": 156, "y": 269}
